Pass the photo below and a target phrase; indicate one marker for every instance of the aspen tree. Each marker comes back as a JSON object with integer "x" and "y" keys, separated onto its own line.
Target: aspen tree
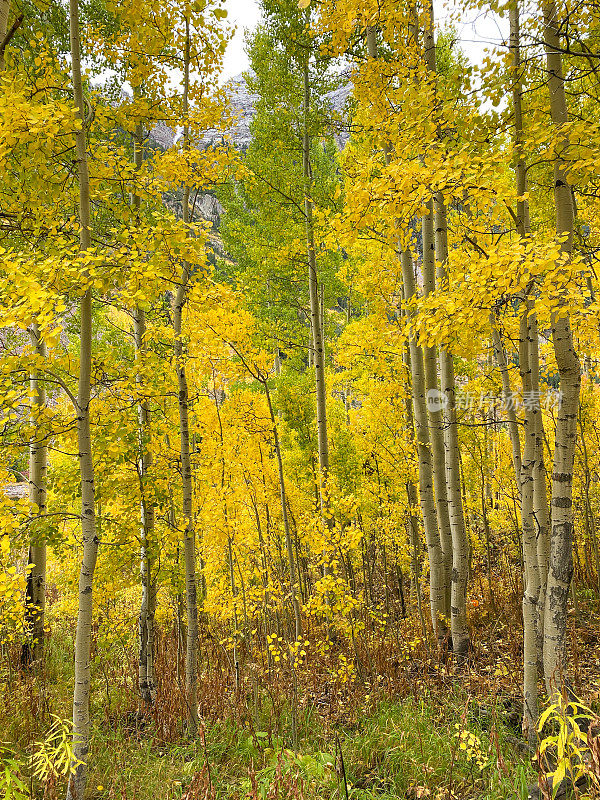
{"x": 38, "y": 464}
{"x": 437, "y": 584}
{"x": 434, "y": 407}
{"x": 436, "y": 218}
{"x": 146, "y": 677}
{"x": 412, "y": 500}
{"x": 561, "y": 542}
{"x": 4, "y": 15}
{"x": 189, "y": 540}
{"x": 531, "y": 576}
{"x": 460, "y": 543}
{"x": 531, "y": 476}
{"x": 435, "y": 416}
{"x": 437, "y": 573}
{"x": 4, "y": 31}
{"x": 513, "y": 424}
{"x": 81, "y": 697}
{"x": 318, "y": 346}
{"x": 263, "y": 379}
{"x": 284, "y": 513}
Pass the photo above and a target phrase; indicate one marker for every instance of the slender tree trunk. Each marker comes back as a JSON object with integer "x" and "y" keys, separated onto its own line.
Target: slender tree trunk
{"x": 146, "y": 677}
{"x": 147, "y": 681}
{"x": 561, "y": 544}
{"x": 460, "y": 541}
{"x": 81, "y": 695}
{"x": 534, "y": 503}
{"x": 4, "y": 17}
{"x": 286, "y": 524}
{"x": 318, "y": 348}
{"x": 436, "y": 417}
{"x": 541, "y": 513}
{"x": 189, "y": 537}
{"x": 234, "y": 595}
{"x": 459, "y": 550}
{"x": 531, "y": 572}
{"x": 589, "y": 512}
{"x": 511, "y": 414}
{"x": 437, "y": 586}
{"x": 38, "y": 462}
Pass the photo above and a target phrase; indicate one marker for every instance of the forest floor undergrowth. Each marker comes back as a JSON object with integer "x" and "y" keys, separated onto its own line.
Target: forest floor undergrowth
{"x": 381, "y": 718}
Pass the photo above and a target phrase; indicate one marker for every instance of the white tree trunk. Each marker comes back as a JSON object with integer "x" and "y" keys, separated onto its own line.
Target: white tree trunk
{"x": 38, "y": 462}
{"x": 561, "y": 544}
{"x": 437, "y": 582}
{"x": 146, "y": 676}
{"x": 318, "y": 346}
{"x": 437, "y": 586}
{"x": 286, "y": 523}
{"x": 81, "y": 695}
{"x": 531, "y": 572}
{"x": 511, "y": 415}
{"x": 460, "y": 541}
{"x": 189, "y": 540}
{"x": 436, "y": 417}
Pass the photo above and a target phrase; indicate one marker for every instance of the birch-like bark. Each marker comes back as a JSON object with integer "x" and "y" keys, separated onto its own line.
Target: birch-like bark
{"x": 531, "y": 572}
{"x": 284, "y": 513}
{"x": 561, "y": 543}
{"x": 146, "y": 676}
{"x": 5, "y": 34}
{"x": 541, "y": 512}
{"x": 412, "y": 520}
{"x": 81, "y": 695}
{"x": 38, "y": 463}
{"x": 318, "y": 347}
{"x": 511, "y": 414}
{"x": 460, "y": 542}
{"x": 189, "y": 537}
{"x": 459, "y": 551}
{"x": 437, "y": 587}
{"x": 436, "y": 417}
{"x": 4, "y": 15}
{"x": 534, "y": 502}
{"x": 437, "y": 584}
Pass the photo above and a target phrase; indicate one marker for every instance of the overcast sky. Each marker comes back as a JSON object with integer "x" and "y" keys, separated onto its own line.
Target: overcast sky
{"x": 476, "y": 31}
{"x": 243, "y": 14}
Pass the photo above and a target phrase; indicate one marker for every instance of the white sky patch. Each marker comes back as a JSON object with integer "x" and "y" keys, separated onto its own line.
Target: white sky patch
{"x": 244, "y": 14}
{"x": 477, "y": 31}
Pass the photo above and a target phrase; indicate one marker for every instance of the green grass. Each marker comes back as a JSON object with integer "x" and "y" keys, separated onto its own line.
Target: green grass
{"x": 391, "y": 748}
{"x": 407, "y": 749}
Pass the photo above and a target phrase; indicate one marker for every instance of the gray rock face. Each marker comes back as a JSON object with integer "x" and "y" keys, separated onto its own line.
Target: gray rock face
{"x": 242, "y": 104}
{"x": 162, "y": 136}
{"x": 209, "y": 209}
